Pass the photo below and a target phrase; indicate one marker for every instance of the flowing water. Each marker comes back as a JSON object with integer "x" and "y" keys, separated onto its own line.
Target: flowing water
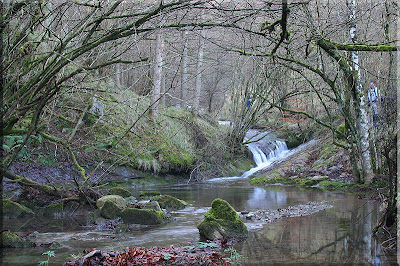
{"x": 341, "y": 234}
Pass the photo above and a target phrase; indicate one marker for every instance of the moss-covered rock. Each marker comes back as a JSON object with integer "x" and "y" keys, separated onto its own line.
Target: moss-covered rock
{"x": 110, "y": 210}
{"x": 11, "y": 240}
{"x": 117, "y": 200}
{"x": 120, "y": 192}
{"x": 13, "y": 209}
{"x": 151, "y": 205}
{"x": 55, "y": 209}
{"x": 142, "y": 216}
{"x": 148, "y": 195}
{"x": 92, "y": 216}
{"x": 131, "y": 200}
{"x": 222, "y": 221}
{"x": 170, "y": 203}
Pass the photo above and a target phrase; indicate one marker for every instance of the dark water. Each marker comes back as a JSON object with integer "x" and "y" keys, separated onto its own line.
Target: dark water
{"x": 341, "y": 234}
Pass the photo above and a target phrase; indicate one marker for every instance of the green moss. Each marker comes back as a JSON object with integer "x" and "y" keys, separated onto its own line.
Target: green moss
{"x": 170, "y": 203}
{"x": 222, "y": 221}
{"x": 335, "y": 184}
{"x": 90, "y": 118}
{"x": 11, "y": 240}
{"x": 92, "y": 216}
{"x": 53, "y": 209}
{"x": 381, "y": 183}
{"x": 14, "y": 210}
{"x": 304, "y": 182}
{"x": 119, "y": 201}
{"x": 110, "y": 210}
{"x": 268, "y": 180}
{"x": 342, "y": 128}
{"x": 143, "y": 216}
{"x": 120, "y": 192}
{"x": 152, "y": 205}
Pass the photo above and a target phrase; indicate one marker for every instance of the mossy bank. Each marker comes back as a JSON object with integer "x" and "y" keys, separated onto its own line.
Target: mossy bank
{"x": 125, "y": 142}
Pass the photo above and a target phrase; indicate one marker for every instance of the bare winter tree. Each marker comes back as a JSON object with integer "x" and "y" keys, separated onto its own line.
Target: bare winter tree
{"x": 158, "y": 74}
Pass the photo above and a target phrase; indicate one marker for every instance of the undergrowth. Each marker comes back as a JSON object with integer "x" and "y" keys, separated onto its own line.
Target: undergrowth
{"x": 125, "y": 133}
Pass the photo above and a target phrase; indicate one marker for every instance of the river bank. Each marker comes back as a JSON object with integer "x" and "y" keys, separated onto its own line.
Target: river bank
{"x": 319, "y": 163}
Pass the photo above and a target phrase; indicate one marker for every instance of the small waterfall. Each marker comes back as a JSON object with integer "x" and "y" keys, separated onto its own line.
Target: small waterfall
{"x": 266, "y": 148}
{"x": 280, "y": 149}
{"x": 258, "y": 155}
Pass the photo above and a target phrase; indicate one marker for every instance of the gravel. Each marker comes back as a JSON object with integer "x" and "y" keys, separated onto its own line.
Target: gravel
{"x": 291, "y": 211}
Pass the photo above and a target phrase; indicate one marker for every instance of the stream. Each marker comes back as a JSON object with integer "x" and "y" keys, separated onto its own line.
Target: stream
{"x": 341, "y": 234}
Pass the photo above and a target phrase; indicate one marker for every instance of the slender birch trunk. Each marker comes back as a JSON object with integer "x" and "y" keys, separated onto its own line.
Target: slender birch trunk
{"x": 158, "y": 74}
{"x": 360, "y": 103}
{"x": 199, "y": 70}
{"x": 117, "y": 69}
{"x": 184, "y": 70}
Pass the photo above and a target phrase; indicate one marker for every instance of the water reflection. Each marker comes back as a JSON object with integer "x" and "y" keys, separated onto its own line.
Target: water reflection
{"x": 259, "y": 197}
{"x": 334, "y": 236}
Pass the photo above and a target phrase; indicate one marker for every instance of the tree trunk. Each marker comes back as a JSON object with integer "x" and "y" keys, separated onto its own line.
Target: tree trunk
{"x": 199, "y": 70}
{"x": 118, "y": 75}
{"x": 158, "y": 74}
{"x": 184, "y": 70}
{"x": 360, "y": 104}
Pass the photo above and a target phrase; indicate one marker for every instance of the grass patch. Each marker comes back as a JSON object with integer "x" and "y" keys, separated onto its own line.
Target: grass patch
{"x": 266, "y": 180}
{"x": 335, "y": 184}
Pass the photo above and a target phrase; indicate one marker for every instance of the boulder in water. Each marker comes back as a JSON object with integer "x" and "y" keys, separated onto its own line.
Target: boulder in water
{"x": 13, "y": 209}
{"x": 11, "y": 240}
{"x": 110, "y": 210}
{"x": 150, "y": 205}
{"x": 111, "y": 206}
{"x": 169, "y": 203}
{"x": 120, "y": 192}
{"x": 118, "y": 200}
{"x": 222, "y": 221}
{"x": 142, "y": 216}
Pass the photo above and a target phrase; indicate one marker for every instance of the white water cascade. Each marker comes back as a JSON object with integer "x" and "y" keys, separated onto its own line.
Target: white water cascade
{"x": 265, "y": 147}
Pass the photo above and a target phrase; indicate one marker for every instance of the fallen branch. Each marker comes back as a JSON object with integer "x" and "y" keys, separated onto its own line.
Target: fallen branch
{"x": 27, "y": 182}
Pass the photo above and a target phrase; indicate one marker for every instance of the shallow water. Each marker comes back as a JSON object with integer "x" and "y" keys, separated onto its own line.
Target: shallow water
{"x": 336, "y": 235}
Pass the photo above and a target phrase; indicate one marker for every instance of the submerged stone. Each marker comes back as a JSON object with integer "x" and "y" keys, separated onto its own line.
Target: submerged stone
{"x": 13, "y": 209}
{"x": 170, "y": 203}
{"x": 11, "y": 240}
{"x": 222, "y": 221}
{"x": 142, "y": 216}
{"x": 120, "y": 192}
